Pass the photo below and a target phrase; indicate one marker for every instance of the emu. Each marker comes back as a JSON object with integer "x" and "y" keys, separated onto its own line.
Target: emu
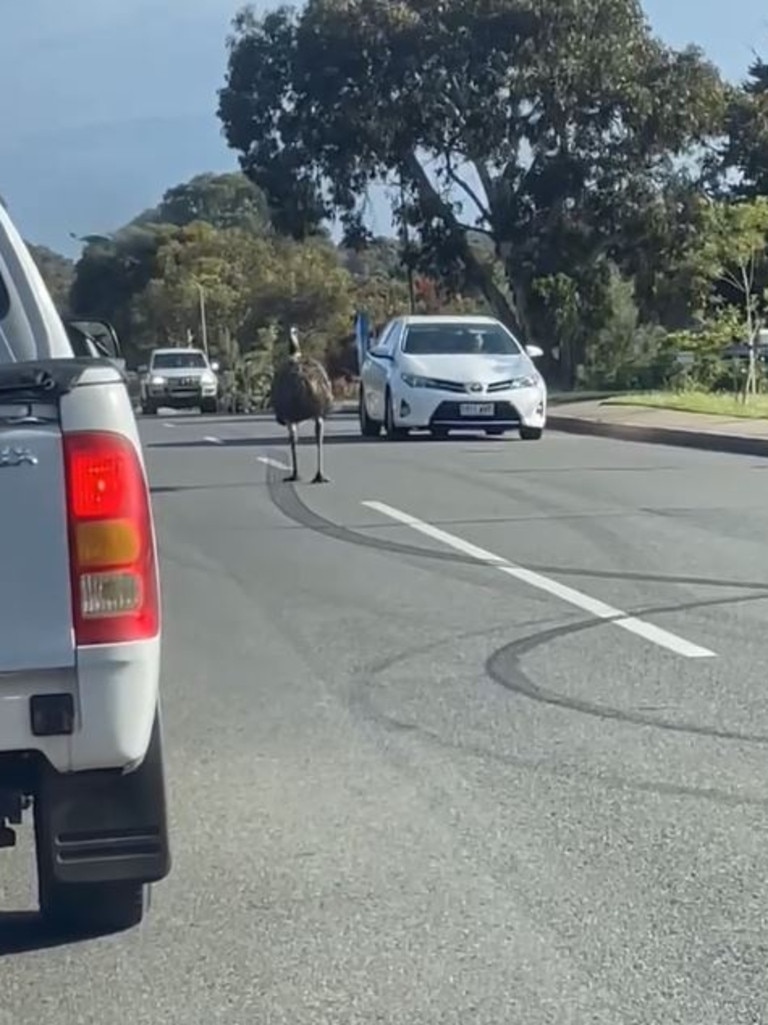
{"x": 301, "y": 390}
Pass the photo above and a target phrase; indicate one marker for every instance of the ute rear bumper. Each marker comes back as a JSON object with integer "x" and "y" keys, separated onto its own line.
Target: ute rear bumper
{"x": 112, "y": 696}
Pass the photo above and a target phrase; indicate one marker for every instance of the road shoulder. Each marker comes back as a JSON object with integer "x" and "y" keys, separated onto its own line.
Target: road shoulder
{"x": 661, "y": 427}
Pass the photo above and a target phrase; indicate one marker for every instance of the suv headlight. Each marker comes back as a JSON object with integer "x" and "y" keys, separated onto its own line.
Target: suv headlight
{"x": 157, "y": 379}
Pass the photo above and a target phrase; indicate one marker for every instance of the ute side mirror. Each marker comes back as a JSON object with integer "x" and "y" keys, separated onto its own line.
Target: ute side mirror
{"x": 534, "y": 351}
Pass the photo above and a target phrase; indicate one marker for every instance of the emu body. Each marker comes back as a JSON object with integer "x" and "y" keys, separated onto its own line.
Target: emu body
{"x": 301, "y": 390}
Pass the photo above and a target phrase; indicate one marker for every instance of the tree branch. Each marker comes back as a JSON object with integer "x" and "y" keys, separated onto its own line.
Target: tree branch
{"x": 479, "y": 274}
{"x": 468, "y": 190}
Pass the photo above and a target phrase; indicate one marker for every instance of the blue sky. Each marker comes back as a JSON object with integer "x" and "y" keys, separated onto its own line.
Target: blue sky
{"x": 105, "y": 103}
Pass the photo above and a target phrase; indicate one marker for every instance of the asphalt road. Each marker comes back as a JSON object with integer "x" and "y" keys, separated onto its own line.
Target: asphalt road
{"x": 490, "y": 750}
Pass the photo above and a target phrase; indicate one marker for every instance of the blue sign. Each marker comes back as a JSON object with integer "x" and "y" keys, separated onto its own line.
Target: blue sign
{"x": 362, "y": 334}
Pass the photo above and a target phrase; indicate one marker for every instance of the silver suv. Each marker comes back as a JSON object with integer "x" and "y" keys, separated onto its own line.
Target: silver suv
{"x": 179, "y": 379}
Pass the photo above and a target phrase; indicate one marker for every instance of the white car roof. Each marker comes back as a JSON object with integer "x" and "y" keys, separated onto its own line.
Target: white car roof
{"x": 422, "y": 318}
{"x": 175, "y": 350}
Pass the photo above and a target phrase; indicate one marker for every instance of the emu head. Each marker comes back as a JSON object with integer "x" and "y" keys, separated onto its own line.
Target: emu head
{"x": 294, "y": 348}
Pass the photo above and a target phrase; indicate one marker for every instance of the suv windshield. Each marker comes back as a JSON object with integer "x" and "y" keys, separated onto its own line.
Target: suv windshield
{"x": 459, "y": 340}
{"x": 178, "y": 360}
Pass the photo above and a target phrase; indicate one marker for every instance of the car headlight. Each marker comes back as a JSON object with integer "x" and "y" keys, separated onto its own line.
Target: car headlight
{"x": 413, "y": 381}
{"x": 208, "y": 378}
{"x": 530, "y": 381}
{"x": 157, "y": 379}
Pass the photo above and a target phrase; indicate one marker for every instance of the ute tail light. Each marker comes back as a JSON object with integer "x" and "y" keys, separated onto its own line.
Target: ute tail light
{"x": 111, "y": 542}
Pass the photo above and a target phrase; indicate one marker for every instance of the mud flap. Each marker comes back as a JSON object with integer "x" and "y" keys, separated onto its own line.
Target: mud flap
{"x": 105, "y": 826}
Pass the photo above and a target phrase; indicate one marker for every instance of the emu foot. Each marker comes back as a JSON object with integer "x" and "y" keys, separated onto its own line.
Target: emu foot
{"x": 320, "y": 478}
{"x": 292, "y": 479}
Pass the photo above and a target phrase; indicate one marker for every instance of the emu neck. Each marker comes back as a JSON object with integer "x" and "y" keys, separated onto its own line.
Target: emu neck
{"x": 294, "y": 349}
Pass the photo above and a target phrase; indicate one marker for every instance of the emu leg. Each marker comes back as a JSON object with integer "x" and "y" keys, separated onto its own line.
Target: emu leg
{"x": 319, "y": 477}
{"x": 292, "y": 436}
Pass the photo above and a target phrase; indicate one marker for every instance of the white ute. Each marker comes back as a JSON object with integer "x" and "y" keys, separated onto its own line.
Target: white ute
{"x": 80, "y": 729}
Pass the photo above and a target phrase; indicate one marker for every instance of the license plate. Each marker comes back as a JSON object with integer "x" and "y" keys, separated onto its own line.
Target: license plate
{"x": 476, "y": 409}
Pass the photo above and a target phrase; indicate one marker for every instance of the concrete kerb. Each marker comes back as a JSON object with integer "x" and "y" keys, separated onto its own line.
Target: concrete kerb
{"x": 734, "y": 444}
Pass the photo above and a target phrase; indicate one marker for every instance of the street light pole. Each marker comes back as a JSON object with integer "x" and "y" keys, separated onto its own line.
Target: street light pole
{"x": 203, "y": 319}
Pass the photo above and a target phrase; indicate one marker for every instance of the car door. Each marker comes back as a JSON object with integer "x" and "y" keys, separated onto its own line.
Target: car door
{"x": 376, "y": 370}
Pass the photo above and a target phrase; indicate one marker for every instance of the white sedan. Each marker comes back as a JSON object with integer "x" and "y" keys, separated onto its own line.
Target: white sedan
{"x": 445, "y": 373}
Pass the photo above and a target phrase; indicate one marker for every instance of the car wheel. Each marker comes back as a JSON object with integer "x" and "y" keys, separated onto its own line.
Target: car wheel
{"x": 149, "y": 409}
{"x": 209, "y": 406}
{"x": 531, "y": 433}
{"x": 369, "y": 428}
{"x": 393, "y": 432}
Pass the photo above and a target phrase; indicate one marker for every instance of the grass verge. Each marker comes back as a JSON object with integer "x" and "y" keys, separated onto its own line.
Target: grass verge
{"x": 755, "y": 408}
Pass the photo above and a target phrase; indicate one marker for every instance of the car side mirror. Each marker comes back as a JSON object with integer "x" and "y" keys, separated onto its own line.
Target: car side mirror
{"x": 534, "y": 351}
{"x": 380, "y": 354}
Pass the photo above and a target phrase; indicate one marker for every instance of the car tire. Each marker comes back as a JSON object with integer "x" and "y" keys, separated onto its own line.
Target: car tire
{"x": 209, "y": 406}
{"x": 149, "y": 409}
{"x": 393, "y": 433}
{"x": 369, "y": 428}
{"x": 531, "y": 433}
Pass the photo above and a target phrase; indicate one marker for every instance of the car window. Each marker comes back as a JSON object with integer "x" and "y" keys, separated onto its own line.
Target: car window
{"x": 382, "y": 342}
{"x": 459, "y": 339}
{"x": 177, "y": 360}
{"x": 393, "y": 341}
{"x": 15, "y": 335}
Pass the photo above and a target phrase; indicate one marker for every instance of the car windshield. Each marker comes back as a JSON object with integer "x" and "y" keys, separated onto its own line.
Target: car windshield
{"x": 459, "y": 340}
{"x": 177, "y": 360}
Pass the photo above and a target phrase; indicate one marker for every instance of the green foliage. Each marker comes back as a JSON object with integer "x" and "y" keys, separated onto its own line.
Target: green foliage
{"x": 149, "y": 281}
{"x": 745, "y": 149}
{"x": 221, "y": 200}
{"x": 58, "y": 273}
{"x": 705, "y": 369}
{"x": 547, "y": 126}
{"x": 551, "y": 162}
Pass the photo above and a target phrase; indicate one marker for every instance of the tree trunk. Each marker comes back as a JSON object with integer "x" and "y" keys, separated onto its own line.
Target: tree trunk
{"x": 479, "y": 274}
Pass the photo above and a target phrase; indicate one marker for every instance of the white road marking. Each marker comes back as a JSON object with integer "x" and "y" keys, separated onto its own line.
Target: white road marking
{"x": 599, "y": 609}
{"x": 273, "y": 462}
{"x": 166, "y": 424}
{"x": 212, "y": 440}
